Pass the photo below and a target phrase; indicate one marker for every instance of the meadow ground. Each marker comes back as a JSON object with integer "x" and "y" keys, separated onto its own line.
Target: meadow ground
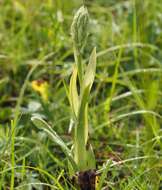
{"x": 125, "y": 109}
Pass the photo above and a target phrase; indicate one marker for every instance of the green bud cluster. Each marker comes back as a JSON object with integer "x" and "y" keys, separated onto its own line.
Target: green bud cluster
{"x": 79, "y": 27}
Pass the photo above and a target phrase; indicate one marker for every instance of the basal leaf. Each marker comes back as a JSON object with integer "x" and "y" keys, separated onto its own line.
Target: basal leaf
{"x": 41, "y": 124}
{"x": 91, "y": 162}
{"x": 81, "y": 131}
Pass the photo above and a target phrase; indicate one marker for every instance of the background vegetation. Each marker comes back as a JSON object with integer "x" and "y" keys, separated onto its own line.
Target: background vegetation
{"x": 36, "y": 56}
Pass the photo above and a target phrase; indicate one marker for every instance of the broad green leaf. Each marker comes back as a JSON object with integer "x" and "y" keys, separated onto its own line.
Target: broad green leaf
{"x": 74, "y": 99}
{"x": 86, "y": 123}
{"x": 41, "y": 124}
{"x": 81, "y": 132}
{"x": 90, "y": 70}
{"x": 81, "y": 129}
{"x": 88, "y": 81}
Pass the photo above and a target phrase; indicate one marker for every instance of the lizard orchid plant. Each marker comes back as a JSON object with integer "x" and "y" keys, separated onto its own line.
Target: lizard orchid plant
{"x": 81, "y": 158}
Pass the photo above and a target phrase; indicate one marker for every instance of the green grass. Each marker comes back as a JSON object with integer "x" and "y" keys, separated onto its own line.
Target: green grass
{"x": 125, "y": 111}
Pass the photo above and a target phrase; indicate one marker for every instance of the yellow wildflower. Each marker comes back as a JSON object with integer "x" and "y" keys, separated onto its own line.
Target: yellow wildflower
{"x": 42, "y": 87}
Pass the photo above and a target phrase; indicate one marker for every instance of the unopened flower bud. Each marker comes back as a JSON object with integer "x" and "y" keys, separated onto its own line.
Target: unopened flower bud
{"x": 79, "y": 27}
